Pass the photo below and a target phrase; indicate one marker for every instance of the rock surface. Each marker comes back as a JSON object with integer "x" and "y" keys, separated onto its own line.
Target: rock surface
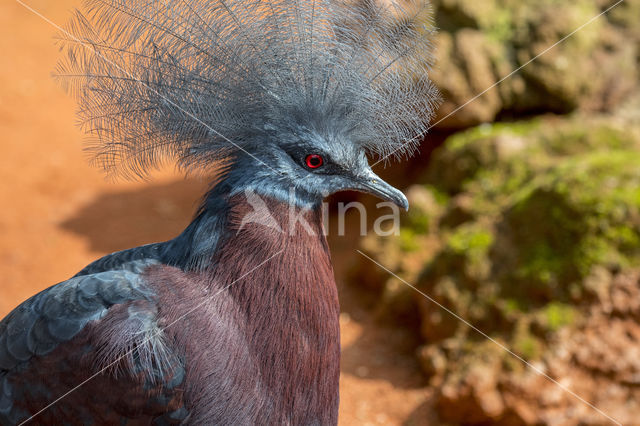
{"x": 482, "y": 43}
{"x": 530, "y": 232}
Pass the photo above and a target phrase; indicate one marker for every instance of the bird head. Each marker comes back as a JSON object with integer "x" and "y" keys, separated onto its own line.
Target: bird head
{"x": 305, "y": 166}
{"x": 288, "y": 95}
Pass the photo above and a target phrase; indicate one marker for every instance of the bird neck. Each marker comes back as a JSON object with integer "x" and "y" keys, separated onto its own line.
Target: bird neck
{"x": 275, "y": 264}
{"x": 232, "y": 205}
{"x": 270, "y": 270}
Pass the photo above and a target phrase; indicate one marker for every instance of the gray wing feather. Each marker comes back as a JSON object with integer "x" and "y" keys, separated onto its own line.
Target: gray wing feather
{"x": 59, "y": 313}
{"x": 129, "y": 332}
{"x": 125, "y": 258}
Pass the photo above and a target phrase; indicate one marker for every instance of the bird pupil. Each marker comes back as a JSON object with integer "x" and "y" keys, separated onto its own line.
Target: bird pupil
{"x": 314, "y": 161}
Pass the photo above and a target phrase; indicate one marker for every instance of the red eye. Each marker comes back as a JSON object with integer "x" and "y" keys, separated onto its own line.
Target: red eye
{"x": 314, "y": 161}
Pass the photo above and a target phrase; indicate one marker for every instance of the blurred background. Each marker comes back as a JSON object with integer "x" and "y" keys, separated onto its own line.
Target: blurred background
{"x": 525, "y": 218}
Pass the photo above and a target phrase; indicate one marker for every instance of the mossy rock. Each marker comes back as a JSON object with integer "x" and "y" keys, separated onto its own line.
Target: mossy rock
{"x": 588, "y": 213}
{"x": 507, "y": 44}
{"x": 514, "y": 217}
{"x": 465, "y": 154}
{"x": 528, "y": 226}
{"x": 533, "y": 208}
{"x": 555, "y": 72}
{"x": 491, "y": 155}
{"x": 625, "y": 14}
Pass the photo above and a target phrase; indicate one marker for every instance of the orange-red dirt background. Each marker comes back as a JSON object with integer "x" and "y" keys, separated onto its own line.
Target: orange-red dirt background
{"x": 57, "y": 214}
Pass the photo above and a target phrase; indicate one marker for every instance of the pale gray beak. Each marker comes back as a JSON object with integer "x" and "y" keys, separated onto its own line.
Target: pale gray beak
{"x": 372, "y": 184}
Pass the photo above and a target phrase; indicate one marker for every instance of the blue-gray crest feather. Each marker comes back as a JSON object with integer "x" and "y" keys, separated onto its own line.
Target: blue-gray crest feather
{"x": 197, "y": 80}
